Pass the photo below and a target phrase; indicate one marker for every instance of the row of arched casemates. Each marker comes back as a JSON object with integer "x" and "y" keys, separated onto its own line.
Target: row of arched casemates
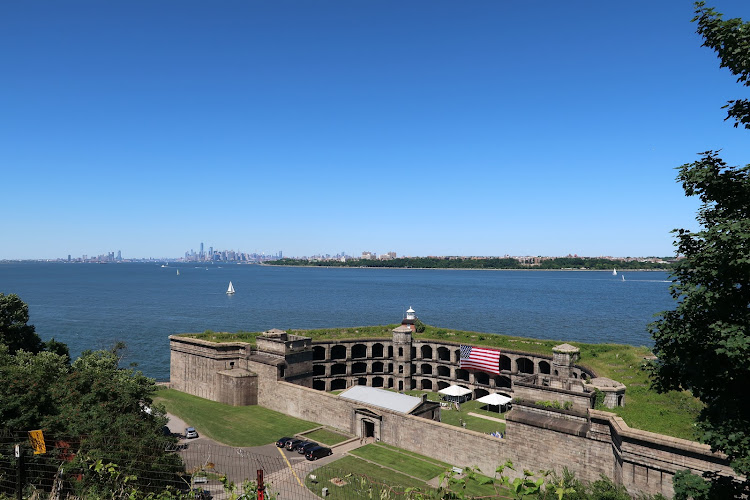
{"x": 405, "y": 364}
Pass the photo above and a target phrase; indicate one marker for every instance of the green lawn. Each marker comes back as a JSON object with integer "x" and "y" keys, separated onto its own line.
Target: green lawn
{"x": 366, "y": 479}
{"x": 326, "y": 436}
{"x": 408, "y": 464}
{"x": 231, "y": 425}
{"x": 433, "y": 461}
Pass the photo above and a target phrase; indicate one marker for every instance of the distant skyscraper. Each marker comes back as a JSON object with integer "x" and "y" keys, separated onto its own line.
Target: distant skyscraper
{"x": 201, "y": 254}
{"x": 119, "y": 255}
{"x": 280, "y": 255}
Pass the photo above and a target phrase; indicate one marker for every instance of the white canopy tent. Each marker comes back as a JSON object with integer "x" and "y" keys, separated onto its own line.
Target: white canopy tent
{"x": 495, "y": 400}
{"x": 456, "y": 393}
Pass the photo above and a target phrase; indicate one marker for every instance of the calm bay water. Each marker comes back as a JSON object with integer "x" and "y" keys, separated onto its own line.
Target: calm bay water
{"x": 90, "y": 306}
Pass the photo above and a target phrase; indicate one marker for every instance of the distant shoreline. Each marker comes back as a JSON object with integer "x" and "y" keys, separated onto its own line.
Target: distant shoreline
{"x": 466, "y": 268}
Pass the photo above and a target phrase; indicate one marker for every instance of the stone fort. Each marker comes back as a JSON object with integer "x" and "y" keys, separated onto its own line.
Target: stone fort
{"x": 293, "y": 374}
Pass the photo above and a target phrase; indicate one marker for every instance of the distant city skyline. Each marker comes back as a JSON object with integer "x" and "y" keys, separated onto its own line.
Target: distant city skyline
{"x": 439, "y": 128}
{"x": 232, "y": 255}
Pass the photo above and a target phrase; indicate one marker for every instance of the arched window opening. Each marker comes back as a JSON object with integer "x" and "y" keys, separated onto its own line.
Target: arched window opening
{"x": 319, "y": 353}
{"x": 338, "y": 352}
{"x": 359, "y": 351}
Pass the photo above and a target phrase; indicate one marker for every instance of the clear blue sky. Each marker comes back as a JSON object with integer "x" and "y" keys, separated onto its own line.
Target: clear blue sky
{"x": 423, "y": 127}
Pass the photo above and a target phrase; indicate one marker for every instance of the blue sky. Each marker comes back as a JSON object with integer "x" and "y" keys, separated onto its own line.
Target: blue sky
{"x": 422, "y": 127}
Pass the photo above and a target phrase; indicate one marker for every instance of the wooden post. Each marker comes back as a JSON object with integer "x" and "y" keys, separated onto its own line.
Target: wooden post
{"x": 261, "y": 487}
{"x": 19, "y": 473}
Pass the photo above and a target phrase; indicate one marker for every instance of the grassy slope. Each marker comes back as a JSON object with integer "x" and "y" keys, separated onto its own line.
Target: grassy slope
{"x": 326, "y": 437}
{"x": 420, "y": 469}
{"x": 388, "y": 457}
{"x": 672, "y": 414}
{"x": 232, "y": 425}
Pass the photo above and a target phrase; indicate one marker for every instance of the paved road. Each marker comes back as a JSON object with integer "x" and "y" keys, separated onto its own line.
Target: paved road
{"x": 284, "y": 470}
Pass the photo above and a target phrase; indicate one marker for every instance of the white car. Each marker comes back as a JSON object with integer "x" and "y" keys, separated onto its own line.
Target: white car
{"x": 191, "y": 433}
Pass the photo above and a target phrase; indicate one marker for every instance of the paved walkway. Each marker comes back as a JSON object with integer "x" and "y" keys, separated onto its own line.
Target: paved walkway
{"x": 486, "y": 417}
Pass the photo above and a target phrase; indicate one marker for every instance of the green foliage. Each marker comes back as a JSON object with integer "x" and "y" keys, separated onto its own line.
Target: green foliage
{"x": 98, "y": 405}
{"x": 598, "y": 399}
{"x": 246, "y": 491}
{"x": 689, "y": 486}
{"x": 604, "y": 489}
{"x": 731, "y": 42}
{"x": 563, "y": 486}
{"x": 419, "y": 326}
{"x": 14, "y": 330}
{"x": 567, "y": 405}
{"x": 488, "y": 263}
{"x": 521, "y": 486}
{"x": 704, "y": 344}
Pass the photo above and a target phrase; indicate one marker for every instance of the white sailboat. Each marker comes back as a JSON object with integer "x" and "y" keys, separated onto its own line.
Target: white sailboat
{"x": 614, "y": 272}
{"x": 230, "y": 290}
{"x": 178, "y": 272}
{"x": 623, "y": 277}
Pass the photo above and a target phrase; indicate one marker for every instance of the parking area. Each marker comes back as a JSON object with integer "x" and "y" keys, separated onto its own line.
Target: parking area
{"x": 285, "y": 470}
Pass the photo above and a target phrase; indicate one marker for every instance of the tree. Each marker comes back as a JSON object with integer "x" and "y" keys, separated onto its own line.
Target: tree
{"x": 731, "y": 41}
{"x": 105, "y": 411}
{"x": 704, "y": 344}
{"x": 14, "y": 330}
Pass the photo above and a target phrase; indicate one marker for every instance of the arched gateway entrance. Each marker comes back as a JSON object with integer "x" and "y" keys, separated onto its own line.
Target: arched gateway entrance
{"x": 368, "y": 424}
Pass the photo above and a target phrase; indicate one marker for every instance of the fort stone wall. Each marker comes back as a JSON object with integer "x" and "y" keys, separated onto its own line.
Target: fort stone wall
{"x": 588, "y": 442}
{"x": 195, "y": 366}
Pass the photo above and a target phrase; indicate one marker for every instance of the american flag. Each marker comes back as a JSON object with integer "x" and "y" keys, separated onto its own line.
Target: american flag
{"x": 479, "y": 358}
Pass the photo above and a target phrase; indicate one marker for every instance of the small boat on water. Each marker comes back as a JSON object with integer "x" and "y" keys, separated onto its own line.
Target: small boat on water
{"x": 614, "y": 272}
{"x": 178, "y": 272}
{"x": 230, "y": 290}
{"x": 623, "y": 277}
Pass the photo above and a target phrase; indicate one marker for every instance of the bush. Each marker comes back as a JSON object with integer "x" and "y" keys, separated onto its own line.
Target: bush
{"x": 419, "y": 326}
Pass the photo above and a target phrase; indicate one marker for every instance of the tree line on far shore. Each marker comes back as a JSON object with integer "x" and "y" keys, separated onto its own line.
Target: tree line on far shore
{"x": 489, "y": 263}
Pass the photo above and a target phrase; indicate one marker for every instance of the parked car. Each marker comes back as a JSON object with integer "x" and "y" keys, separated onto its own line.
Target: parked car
{"x": 317, "y": 452}
{"x": 291, "y": 445}
{"x": 304, "y": 446}
{"x": 191, "y": 433}
{"x": 282, "y": 442}
{"x": 200, "y": 494}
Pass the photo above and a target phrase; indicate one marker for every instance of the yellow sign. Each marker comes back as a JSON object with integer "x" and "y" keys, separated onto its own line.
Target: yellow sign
{"x": 36, "y": 438}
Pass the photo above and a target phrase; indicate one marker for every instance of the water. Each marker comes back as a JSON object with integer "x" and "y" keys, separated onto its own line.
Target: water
{"x": 91, "y": 306}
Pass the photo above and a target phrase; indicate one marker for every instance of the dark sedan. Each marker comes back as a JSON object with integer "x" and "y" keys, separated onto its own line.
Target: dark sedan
{"x": 317, "y": 452}
{"x": 282, "y": 442}
{"x": 304, "y": 446}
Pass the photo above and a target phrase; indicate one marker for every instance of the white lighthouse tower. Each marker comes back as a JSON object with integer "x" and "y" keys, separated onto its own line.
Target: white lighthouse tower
{"x": 411, "y": 314}
{"x": 410, "y": 319}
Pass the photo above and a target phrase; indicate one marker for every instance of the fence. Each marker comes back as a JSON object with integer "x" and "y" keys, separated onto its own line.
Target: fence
{"x": 188, "y": 470}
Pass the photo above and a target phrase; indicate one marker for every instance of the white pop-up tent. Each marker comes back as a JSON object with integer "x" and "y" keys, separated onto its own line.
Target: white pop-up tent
{"x": 456, "y": 393}
{"x": 495, "y": 400}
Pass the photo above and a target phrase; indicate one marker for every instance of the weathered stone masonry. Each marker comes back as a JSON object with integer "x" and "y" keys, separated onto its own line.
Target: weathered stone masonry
{"x": 290, "y": 374}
